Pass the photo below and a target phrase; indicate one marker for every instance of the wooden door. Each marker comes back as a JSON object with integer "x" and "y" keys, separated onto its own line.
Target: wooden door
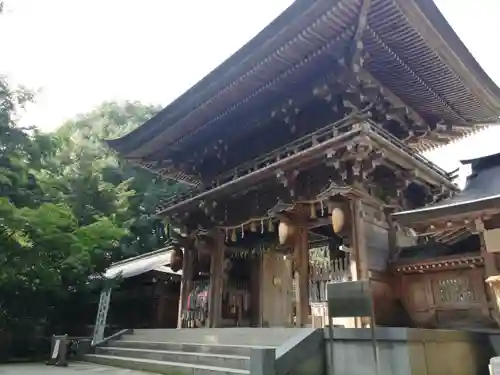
{"x": 276, "y": 290}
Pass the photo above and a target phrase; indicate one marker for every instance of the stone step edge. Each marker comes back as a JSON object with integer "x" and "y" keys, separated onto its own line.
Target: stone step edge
{"x": 197, "y": 344}
{"x": 165, "y": 363}
{"x": 174, "y": 352}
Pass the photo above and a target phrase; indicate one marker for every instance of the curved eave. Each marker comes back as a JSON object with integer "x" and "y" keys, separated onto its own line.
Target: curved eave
{"x": 433, "y": 214}
{"x": 159, "y": 259}
{"x": 222, "y": 75}
{"x": 466, "y": 134}
{"x": 480, "y": 195}
{"x": 457, "y": 55}
{"x": 261, "y": 60}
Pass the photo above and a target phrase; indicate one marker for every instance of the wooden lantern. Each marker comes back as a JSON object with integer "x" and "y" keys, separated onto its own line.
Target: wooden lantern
{"x": 285, "y": 232}
{"x": 338, "y": 219}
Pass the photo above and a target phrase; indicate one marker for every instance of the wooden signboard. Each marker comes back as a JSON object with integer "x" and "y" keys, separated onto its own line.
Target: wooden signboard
{"x": 352, "y": 299}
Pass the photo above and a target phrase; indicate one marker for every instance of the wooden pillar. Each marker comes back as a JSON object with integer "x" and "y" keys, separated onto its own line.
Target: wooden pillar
{"x": 255, "y": 292}
{"x": 490, "y": 265}
{"x": 359, "y": 258}
{"x": 490, "y": 271}
{"x": 301, "y": 255}
{"x": 160, "y": 306}
{"x": 186, "y": 283}
{"x": 360, "y": 266}
{"x": 392, "y": 234}
{"x": 215, "y": 288}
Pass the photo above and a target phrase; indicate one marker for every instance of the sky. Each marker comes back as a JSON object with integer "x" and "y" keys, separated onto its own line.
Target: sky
{"x": 78, "y": 53}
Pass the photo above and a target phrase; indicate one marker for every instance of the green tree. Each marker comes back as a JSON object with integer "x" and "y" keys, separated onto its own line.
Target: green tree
{"x": 69, "y": 206}
{"x": 47, "y": 252}
{"x": 113, "y": 187}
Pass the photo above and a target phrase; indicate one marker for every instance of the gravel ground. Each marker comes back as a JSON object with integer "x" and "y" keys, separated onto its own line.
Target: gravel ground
{"x": 73, "y": 369}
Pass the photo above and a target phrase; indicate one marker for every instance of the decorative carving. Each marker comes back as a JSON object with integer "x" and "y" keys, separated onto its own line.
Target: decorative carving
{"x": 288, "y": 180}
{"x": 280, "y": 208}
{"x": 333, "y": 189}
{"x": 367, "y": 157}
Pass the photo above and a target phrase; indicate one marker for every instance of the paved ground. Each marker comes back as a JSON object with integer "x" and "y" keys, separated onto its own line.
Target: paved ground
{"x": 72, "y": 369}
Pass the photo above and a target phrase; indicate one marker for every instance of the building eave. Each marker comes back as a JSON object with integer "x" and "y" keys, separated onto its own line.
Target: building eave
{"x": 403, "y": 156}
{"x": 481, "y": 196}
{"x": 446, "y": 212}
{"x": 207, "y": 100}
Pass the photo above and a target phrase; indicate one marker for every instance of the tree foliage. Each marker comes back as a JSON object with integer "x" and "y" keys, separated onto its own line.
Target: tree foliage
{"x": 68, "y": 208}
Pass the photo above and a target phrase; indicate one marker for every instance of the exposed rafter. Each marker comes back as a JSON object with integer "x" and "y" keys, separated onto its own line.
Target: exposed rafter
{"x": 410, "y": 71}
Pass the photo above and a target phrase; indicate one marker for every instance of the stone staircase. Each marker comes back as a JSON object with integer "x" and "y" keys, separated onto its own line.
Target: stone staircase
{"x": 189, "y": 351}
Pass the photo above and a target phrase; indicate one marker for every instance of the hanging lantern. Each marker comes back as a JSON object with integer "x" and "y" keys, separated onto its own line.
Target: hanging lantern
{"x": 285, "y": 232}
{"x": 338, "y": 219}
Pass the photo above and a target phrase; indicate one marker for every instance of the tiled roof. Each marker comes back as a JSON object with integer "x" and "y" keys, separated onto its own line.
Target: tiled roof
{"x": 411, "y": 50}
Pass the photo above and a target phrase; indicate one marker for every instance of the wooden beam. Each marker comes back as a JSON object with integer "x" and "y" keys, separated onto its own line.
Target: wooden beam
{"x": 369, "y": 79}
{"x": 186, "y": 284}
{"x": 490, "y": 266}
{"x": 359, "y": 240}
{"x": 490, "y": 269}
{"x": 160, "y": 307}
{"x": 301, "y": 253}
{"x": 391, "y": 233}
{"x": 301, "y": 257}
{"x": 215, "y": 288}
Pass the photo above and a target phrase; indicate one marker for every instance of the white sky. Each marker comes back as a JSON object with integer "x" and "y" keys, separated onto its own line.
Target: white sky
{"x": 78, "y": 53}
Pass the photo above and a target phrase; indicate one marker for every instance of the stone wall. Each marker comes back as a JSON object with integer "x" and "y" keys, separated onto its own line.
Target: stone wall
{"x": 406, "y": 351}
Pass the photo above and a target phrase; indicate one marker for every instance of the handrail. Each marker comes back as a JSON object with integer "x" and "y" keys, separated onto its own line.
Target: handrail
{"x": 351, "y": 119}
{"x": 384, "y": 133}
{"x": 294, "y": 160}
{"x": 269, "y": 157}
{"x": 302, "y": 145}
{"x": 112, "y": 337}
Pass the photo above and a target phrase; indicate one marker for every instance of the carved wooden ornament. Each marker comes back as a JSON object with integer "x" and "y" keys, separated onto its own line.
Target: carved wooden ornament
{"x": 338, "y": 219}
{"x": 285, "y": 232}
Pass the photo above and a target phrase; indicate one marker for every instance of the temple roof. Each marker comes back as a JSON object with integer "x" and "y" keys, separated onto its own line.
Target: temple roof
{"x": 481, "y": 193}
{"x": 412, "y": 51}
{"x": 417, "y": 253}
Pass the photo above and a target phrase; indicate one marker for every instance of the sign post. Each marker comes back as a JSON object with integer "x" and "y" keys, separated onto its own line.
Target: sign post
{"x": 59, "y": 351}
{"x": 351, "y": 299}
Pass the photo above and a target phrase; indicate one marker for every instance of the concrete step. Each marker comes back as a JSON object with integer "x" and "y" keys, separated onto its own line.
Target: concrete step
{"x": 161, "y": 367}
{"x": 205, "y": 359}
{"x": 225, "y": 336}
{"x": 237, "y": 350}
